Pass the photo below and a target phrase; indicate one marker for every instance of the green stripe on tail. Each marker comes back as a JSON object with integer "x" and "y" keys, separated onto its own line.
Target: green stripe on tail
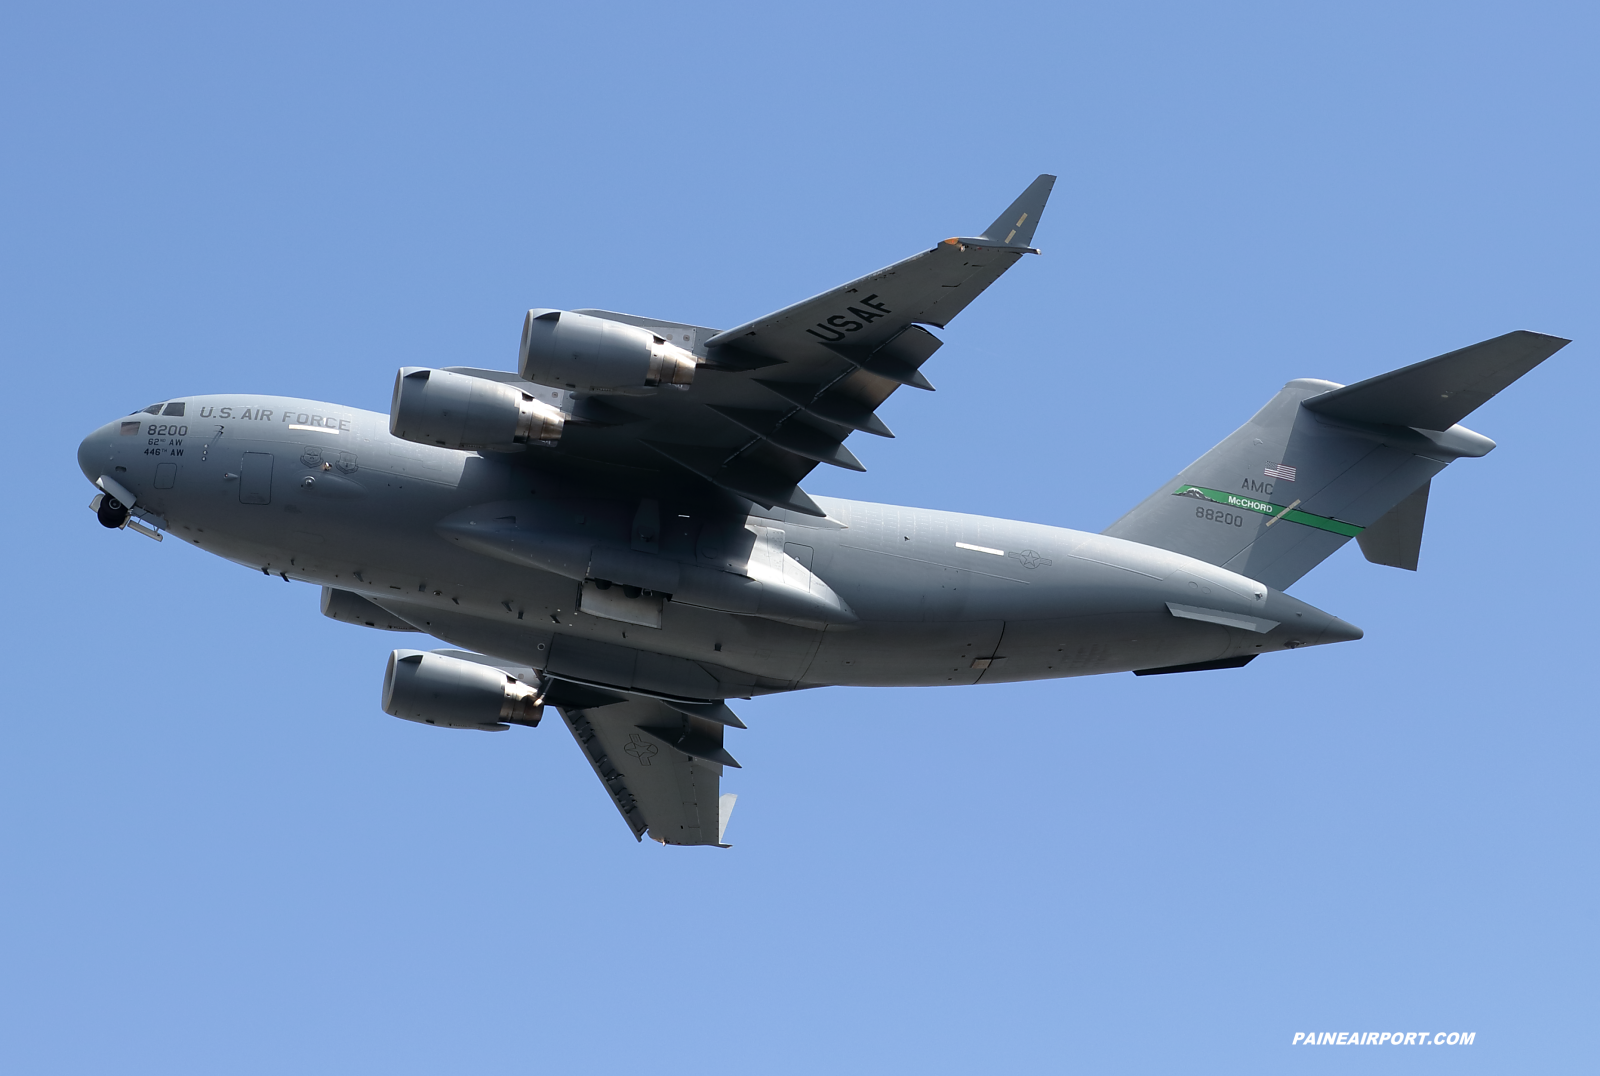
{"x": 1267, "y": 508}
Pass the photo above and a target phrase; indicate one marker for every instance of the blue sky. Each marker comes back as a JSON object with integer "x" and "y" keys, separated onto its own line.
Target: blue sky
{"x": 220, "y": 856}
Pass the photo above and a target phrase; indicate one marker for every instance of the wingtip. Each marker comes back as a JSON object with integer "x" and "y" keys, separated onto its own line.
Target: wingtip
{"x": 1016, "y": 225}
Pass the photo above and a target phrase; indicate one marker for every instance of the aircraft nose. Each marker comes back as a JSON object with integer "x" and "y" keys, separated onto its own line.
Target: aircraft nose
{"x": 95, "y": 451}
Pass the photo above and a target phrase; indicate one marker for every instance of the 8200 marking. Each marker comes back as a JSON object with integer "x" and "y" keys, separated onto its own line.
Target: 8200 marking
{"x": 1216, "y": 515}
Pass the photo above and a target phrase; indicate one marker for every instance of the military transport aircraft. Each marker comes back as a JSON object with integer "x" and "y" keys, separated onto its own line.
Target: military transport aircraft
{"x": 617, "y": 528}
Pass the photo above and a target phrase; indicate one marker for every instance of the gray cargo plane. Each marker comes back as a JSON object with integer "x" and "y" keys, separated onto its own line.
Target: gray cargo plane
{"x": 617, "y": 529}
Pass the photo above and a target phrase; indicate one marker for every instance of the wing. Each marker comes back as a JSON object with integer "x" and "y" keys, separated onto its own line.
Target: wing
{"x": 659, "y": 757}
{"x": 859, "y": 317}
{"x": 776, "y": 396}
{"x": 661, "y": 766}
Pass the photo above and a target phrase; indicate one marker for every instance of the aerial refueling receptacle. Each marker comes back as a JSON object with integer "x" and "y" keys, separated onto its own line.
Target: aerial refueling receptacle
{"x": 435, "y": 689}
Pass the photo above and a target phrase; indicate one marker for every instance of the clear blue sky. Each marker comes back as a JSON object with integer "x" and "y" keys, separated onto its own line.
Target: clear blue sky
{"x": 221, "y": 857}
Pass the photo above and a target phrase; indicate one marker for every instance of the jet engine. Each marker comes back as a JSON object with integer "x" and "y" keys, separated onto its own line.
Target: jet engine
{"x": 436, "y": 689}
{"x": 590, "y": 354}
{"x": 437, "y": 407}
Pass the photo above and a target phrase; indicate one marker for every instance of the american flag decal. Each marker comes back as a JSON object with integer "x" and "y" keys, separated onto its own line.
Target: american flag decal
{"x": 1279, "y": 470}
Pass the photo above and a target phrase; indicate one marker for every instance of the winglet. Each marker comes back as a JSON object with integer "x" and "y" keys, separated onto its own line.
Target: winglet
{"x": 1015, "y": 226}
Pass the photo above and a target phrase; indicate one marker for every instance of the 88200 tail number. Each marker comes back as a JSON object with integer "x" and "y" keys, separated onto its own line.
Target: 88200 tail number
{"x": 1217, "y": 515}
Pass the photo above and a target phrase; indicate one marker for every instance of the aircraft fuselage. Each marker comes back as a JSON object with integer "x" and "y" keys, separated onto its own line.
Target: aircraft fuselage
{"x": 315, "y": 492}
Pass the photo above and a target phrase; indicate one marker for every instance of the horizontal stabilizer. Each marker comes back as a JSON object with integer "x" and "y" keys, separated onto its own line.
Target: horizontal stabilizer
{"x": 1438, "y": 393}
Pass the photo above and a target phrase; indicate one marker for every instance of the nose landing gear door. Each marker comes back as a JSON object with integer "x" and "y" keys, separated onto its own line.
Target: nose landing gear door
{"x": 255, "y": 478}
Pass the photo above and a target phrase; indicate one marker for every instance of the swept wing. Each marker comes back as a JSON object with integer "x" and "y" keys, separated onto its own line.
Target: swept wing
{"x": 778, "y": 395}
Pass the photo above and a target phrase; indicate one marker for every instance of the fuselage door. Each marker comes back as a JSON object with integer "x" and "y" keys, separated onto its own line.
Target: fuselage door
{"x": 255, "y": 478}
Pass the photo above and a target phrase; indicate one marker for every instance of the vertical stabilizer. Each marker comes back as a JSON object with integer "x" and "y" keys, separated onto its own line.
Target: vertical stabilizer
{"x": 1323, "y": 463}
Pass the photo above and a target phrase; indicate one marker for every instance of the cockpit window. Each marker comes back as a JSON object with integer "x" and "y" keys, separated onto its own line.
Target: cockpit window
{"x": 153, "y": 409}
{"x": 174, "y": 410}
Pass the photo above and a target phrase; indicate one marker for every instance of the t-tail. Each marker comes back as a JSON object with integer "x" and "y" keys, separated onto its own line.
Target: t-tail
{"x": 1323, "y": 463}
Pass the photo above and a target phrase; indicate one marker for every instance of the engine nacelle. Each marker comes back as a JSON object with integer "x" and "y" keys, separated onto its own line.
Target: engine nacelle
{"x": 435, "y": 689}
{"x": 437, "y": 407}
{"x": 591, "y": 354}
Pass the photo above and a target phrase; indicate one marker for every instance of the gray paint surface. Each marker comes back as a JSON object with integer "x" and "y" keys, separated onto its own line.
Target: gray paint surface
{"x": 710, "y": 575}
